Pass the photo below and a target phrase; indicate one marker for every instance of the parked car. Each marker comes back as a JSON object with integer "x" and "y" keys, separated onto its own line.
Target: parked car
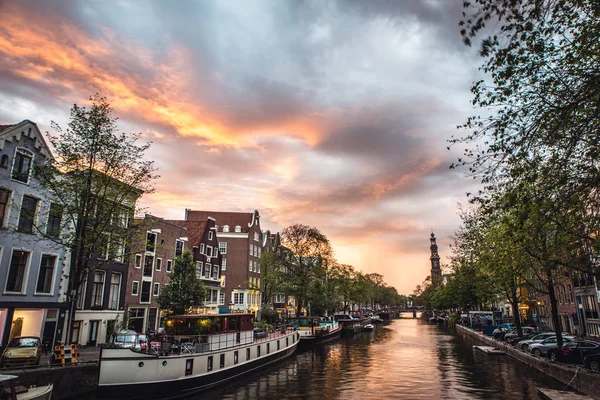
{"x": 592, "y": 362}
{"x": 524, "y": 344}
{"x": 22, "y": 350}
{"x": 501, "y": 330}
{"x": 130, "y": 339}
{"x": 542, "y": 348}
{"x": 512, "y": 336}
{"x": 574, "y": 352}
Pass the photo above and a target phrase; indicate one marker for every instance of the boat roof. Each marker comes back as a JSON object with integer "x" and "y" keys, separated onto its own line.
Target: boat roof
{"x": 7, "y": 378}
{"x": 198, "y": 316}
{"x": 305, "y": 317}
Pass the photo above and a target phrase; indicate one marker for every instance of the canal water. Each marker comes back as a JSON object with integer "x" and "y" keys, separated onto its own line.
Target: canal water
{"x": 407, "y": 359}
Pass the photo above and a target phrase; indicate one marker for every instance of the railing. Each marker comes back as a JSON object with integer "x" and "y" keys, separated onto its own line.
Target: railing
{"x": 198, "y": 344}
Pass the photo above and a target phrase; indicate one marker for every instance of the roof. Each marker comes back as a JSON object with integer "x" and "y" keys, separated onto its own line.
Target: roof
{"x": 195, "y": 229}
{"x": 4, "y": 127}
{"x": 17, "y": 131}
{"x": 232, "y": 219}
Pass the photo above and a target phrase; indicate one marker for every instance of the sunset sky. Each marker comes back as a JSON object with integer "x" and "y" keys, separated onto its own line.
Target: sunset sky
{"x": 328, "y": 113}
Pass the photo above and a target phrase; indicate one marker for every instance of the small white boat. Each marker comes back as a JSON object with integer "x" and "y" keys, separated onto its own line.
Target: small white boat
{"x": 368, "y": 327}
{"x": 8, "y": 387}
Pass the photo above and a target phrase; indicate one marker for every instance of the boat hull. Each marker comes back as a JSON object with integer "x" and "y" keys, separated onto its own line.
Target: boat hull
{"x": 304, "y": 340}
{"x": 182, "y": 385}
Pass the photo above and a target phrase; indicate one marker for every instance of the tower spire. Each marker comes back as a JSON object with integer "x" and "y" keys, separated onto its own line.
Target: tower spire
{"x": 436, "y": 270}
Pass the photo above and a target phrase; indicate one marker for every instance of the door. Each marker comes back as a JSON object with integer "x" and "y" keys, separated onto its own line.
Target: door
{"x": 48, "y": 335}
{"x": 93, "y": 332}
{"x": 75, "y": 332}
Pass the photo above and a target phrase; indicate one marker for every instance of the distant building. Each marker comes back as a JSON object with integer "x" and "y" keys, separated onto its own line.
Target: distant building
{"x": 436, "y": 269}
{"x": 33, "y": 263}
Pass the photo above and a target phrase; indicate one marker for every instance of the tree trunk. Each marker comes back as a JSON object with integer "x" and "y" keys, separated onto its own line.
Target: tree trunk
{"x": 514, "y": 302}
{"x": 554, "y": 309}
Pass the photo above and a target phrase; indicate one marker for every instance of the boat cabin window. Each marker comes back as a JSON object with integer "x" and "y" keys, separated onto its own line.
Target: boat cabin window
{"x": 247, "y": 354}
{"x": 257, "y": 351}
{"x": 209, "y": 363}
{"x": 268, "y": 348}
{"x": 189, "y": 366}
{"x": 278, "y": 345}
{"x": 222, "y": 361}
{"x": 287, "y": 342}
{"x": 235, "y": 357}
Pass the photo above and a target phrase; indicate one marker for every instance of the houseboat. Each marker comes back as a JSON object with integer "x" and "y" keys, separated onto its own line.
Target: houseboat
{"x": 349, "y": 324}
{"x": 202, "y": 351}
{"x": 315, "y": 329}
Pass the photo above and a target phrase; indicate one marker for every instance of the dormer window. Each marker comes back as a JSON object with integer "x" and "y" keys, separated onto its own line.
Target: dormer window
{"x": 225, "y": 228}
{"x": 22, "y": 165}
{"x": 256, "y": 236}
{"x": 238, "y": 228}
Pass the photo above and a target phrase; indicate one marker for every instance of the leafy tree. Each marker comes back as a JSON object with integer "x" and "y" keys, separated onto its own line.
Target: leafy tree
{"x": 273, "y": 267}
{"x": 95, "y": 178}
{"x": 185, "y": 291}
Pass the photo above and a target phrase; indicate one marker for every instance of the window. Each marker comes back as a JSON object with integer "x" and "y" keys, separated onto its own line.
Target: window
{"x": 169, "y": 265}
{"x": 135, "y": 288}
{"x": 215, "y": 252}
{"x": 223, "y": 247}
{"x": 214, "y": 296}
{"x": 223, "y": 264}
{"x": 235, "y": 357}
{"x": 46, "y": 274}
{"x": 268, "y": 348}
{"x": 102, "y": 246}
{"x": 145, "y": 297}
{"x": 238, "y": 228}
{"x": 209, "y": 363}
{"x": 22, "y": 165}
{"x": 81, "y": 293}
{"x": 4, "y": 162}
{"x": 209, "y": 251}
{"x": 198, "y": 269}
{"x": 280, "y": 298}
{"x": 215, "y": 272}
{"x": 287, "y": 342}
{"x": 221, "y": 299}
{"x": 201, "y": 248}
{"x": 250, "y": 249}
{"x": 258, "y": 267}
{"x": 189, "y": 366}
{"x": 138, "y": 261}
{"x": 156, "y": 289}
{"x": 257, "y": 351}
{"x": 254, "y": 265}
{"x": 121, "y": 218}
{"x": 150, "y": 242}
{"x": 16, "y": 272}
{"x": 247, "y": 354}
{"x": 158, "y": 264}
{"x": 210, "y": 235}
{"x": 256, "y": 236}
{"x": 54, "y": 219}
{"x": 255, "y": 251}
{"x": 119, "y": 250}
{"x": 222, "y": 361}
{"x": 207, "y": 267}
{"x": 250, "y": 266}
{"x": 148, "y": 265}
{"x": 115, "y": 291}
{"x": 28, "y": 206}
{"x": 4, "y": 198}
{"x": 259, "y": 250}
{"x": 98, "y": 289}
{"x": 238, "y": 298}
{"x": 278, "y": 345}
{"x": 225, "y": 228}
{"x": 178, "y": 247}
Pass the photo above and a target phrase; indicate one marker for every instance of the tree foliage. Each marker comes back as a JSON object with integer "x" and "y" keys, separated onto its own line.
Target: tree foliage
{"x": 186, "y": 290}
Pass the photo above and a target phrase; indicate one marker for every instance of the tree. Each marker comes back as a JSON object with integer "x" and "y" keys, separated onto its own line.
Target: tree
{"x": 273, "y": 267}
{"x": 96, "y": 178}
{"x": 309, "y": 249}
{"x": 185, "y": 291}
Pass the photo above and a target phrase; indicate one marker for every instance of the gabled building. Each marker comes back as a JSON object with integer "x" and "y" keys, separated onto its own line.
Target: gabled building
{"x": 202, "y": 236}
{"x": 33, "y": 262}
{"x": 153, "y": 250}
{"x": 240, "y": 243}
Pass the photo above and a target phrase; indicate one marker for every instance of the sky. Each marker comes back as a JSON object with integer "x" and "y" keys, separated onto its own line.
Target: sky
{"x": 334, "y": 114}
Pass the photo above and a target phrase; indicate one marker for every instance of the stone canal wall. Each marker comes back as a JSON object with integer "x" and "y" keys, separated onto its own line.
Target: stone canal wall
{"x": 69, "y": 381}
{"x": 577, "y": 377}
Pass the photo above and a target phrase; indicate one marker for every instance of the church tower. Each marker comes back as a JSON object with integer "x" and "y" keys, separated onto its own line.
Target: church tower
{"x": 436, "y": 270}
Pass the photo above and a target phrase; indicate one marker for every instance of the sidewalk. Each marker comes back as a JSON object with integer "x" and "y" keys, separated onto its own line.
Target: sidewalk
{"x": 86, "y": 354}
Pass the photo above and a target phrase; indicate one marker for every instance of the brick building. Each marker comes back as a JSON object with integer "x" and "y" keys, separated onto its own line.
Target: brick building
{"x": 153, "y": 250}
{"x": 240, "y": 241}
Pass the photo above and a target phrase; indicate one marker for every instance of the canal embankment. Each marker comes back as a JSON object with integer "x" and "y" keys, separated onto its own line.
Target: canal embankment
{"x": 576, "y": 377}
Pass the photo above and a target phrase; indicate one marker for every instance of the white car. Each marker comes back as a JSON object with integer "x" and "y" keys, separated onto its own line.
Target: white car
{"x": 524, "y": 344}
{"x": 541, "y": 348}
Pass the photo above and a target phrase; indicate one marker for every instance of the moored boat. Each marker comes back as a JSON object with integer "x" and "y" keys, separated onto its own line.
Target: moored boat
{"x": 228, "y": 351}
{"x": 349, "y": 324}
{"x": 315, "y": 329}
{"x": 9, "y": 390}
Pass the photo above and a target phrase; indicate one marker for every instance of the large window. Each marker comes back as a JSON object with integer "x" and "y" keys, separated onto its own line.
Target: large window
{"x": 115, "y": 290}
{"x": 54, "y": 220}
{"x": 16, "y": 271}
{"x": 22, "y": 166}
{"x": 145, "y": 298}
{"x": 280, "y": 298}
{"x": 98, "y": 289}
{"x": 135, "y": 288}
{"x": 169, "y": 265}
{"x": 215, "y": 272}
{"x": 178, "y": 247}
{"x": 221, "y": 299}
{"x": 4, "y": 198}
{"x": 158, "y": 264}
{"x": 238, "y": 298}
{"x": 223, "y": 247}
{"x": 156, "y": 289}
{"x": 150, "y": 242}
{"x": 148, "y": 265}
{"x": 207, "y": 267}
{"x": 46, "y": 274}
{"x": 28, "y": 206}
{"x": 198, "y": 269}
{"x": 223, "y": 264}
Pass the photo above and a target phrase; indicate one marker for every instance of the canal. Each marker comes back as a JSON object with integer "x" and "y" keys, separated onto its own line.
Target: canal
{"x": 407, "y": 359}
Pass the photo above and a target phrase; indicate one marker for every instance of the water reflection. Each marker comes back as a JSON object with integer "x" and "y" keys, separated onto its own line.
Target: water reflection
{"x": 408, "y": 359}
